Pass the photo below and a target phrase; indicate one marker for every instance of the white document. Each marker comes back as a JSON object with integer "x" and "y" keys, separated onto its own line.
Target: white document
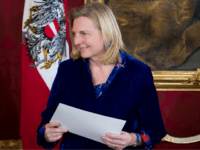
{"x": 86, "y": 124}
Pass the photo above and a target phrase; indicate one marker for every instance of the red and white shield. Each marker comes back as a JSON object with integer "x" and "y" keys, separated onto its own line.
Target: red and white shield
{"x": 52, "y": 29}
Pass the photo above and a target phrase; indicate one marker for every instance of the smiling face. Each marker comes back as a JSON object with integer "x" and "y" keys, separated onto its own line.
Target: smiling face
{"x": 87, "y": 39}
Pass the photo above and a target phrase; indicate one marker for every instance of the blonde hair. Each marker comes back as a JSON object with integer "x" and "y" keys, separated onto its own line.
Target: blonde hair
{"x": 105, "y": 21}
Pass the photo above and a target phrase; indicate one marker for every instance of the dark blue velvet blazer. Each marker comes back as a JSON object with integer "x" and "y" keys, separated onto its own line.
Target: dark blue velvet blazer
{"x": 131, "y": 96}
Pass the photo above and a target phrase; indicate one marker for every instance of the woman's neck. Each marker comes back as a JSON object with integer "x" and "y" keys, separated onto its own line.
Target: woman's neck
{"x": 95, "y": 63}
{"x": 100, "y": 71}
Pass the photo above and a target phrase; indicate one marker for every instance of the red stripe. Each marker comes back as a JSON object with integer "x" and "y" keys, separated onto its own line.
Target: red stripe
{"x": 34, "y": 97}
{"x": 56, "y": 25}
{"x": 49, "y": 32}
{"x": 67, "y": 25}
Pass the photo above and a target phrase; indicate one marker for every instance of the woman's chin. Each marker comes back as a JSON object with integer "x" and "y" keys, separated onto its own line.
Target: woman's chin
{"x": 83, "y": 55}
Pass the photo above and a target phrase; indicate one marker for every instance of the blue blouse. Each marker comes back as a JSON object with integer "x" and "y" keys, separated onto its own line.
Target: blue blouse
{"x": 129, "y": 94}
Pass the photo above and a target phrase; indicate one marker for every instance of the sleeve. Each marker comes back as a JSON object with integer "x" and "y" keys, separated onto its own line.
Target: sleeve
{"x": 52, "y": 104}
{"x": 151, "y": 126}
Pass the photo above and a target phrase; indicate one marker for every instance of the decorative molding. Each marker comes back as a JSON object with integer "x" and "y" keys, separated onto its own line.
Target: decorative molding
{"x": 182, "y": 140}
{"x": 17, "y": 144}
{"x": 11, "y": 144}
{"x": 86, "y": 1}
{"x": 177, "y": 80}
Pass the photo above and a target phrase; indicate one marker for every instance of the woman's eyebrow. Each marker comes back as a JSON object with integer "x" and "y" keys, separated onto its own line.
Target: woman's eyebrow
{"x": 82, "y": 31}
{"x": 85, "y": 31}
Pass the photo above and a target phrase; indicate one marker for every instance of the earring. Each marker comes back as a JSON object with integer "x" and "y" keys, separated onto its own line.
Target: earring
{"x": 107, "y": 44}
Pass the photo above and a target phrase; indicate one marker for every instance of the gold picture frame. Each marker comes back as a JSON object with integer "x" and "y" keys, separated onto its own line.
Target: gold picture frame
{"x": 86, "y": 1}
{"x": 173, "y": 80}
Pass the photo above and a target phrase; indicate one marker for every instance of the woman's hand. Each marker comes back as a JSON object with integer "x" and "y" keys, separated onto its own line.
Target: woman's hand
{"x": 52, "y": 132}
{"x": 119, "y": 142}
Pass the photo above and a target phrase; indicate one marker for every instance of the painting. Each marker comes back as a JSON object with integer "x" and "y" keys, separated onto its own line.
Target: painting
{"x": 164, "y": 34}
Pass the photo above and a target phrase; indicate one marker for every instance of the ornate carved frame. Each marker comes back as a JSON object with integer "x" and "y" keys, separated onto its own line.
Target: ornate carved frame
{"x": 175, "y": 81}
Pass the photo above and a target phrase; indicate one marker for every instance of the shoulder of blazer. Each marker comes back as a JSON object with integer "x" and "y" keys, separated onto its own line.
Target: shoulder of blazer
{"x": 134, "y": 64}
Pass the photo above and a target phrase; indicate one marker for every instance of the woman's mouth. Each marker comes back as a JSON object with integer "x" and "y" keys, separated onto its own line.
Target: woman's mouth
{"x": 81, "y": 48}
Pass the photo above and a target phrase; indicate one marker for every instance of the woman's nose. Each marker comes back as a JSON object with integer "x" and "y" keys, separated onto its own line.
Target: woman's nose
{"x": 77, "y": 39}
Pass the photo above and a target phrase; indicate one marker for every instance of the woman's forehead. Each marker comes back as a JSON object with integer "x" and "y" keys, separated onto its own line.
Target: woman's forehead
{"x": 83, "y": 23}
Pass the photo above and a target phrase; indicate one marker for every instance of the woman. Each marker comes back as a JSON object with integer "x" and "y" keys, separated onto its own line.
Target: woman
{"x": 101, "y": 78}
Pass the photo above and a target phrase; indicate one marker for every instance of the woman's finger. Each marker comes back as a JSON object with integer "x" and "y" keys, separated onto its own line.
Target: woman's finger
{"x": 114, "y": 136}
{"x": 56, "y": 134}
{"x": 54, "y": 139}
{"x": 114, "y": 146}
{"x": 113, "y": 141}
{"x": 122, "y": 133}
{"x": 58, "y": 130}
